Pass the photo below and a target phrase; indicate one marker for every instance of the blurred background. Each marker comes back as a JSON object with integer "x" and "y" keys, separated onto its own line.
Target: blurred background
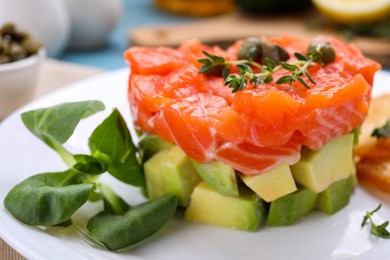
{"x": 96, "y": 32}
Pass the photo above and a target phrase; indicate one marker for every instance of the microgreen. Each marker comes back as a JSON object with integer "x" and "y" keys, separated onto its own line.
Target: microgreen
{"x": 246, "y": 76}
{"x": 376, "y": 230}
{"x": 117, "y": 231}
{"x": 48, "y": 199}
{"x": 51, "y": 199}
{"x": 383, "y": 131}
{"x": 56, "y": 124}
{"x": 111, "y": 143}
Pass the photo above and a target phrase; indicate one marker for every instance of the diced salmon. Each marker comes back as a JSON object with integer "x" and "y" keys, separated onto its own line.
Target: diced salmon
{"x": 254, "y": 129}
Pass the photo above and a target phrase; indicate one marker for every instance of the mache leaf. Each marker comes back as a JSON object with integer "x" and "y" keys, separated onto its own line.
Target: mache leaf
{"x": 88, "y": 165}
{"x": 120, "y": 231}
{"x": 54, "y": 125}
{"x": 48, "y": 199}
{"x": 58, "y": 122}
{"x": 111, "y": 142}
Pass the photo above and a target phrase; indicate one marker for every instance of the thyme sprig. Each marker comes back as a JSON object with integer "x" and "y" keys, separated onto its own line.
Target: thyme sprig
{"x": 376, "y": 230}
{"x": 382, "y": 132}
{"x": 218, "y": 65}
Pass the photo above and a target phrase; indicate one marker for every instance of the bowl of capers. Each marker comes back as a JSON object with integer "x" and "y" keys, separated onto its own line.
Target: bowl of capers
{"x": 20, "y": 56}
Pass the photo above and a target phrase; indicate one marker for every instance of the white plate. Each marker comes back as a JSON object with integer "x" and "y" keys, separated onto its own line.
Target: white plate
{"x": 317, "y": 237}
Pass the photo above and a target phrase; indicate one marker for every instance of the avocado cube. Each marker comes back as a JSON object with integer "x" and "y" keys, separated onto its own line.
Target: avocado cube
{"x": 246, "y": 212}
{"x": 273, "y": 184}
{"x": 288, "y": 209}
{"x": 318, "y": 169}
{"x": 171, "y": 171}
{"x": 151, "y": 144}
{"x": 336, "y": 196}
{"x": 220, "y": 176}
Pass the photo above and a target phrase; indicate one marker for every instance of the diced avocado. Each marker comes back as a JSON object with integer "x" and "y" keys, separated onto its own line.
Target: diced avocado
{"x": 220, "y": 176}
{"x": 318, "y": 169}
{"x": 152, "y": 144}
{"x": 336, "y": 196}
{"x": 171, "y": 171}
{"x": 208, "y": 206}
{"x": 273, "y": 184}
{"x": 288, "y": 209}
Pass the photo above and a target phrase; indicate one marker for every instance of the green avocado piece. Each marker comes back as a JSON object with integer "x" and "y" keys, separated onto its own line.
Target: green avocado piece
{"x": 272, "y": 184}
{"x": 290, "y": 208}
{"x": 171, "y": 171}
{"x": 318, "y": 169}
{"x": 151, "y": 144}
{"x": 336, "y": 196}
{"x": 245, "y": 212}
{"x": 220, "y": 176}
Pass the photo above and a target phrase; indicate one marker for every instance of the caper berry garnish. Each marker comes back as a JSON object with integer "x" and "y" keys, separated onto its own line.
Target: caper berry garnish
{"x": 257, "y": 50}
{"x": 17, "y": 52}
{"x": 328, "y": 54}
{"x": 250, "y": 49}
{"x": 283, "y": 54}
{"x": 31, "y": 45}
{"x": 273, "y": 52}
{"x": 7, "y": 28}
{"x": 273, "y": 58}
{"x": 16, "y": 45}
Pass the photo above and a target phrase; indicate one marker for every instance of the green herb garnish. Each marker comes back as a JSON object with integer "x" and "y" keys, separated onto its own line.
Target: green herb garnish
{"x": 217, "y": 65}
{"x": 383, "y": 131}
{"x": 51, "y": 199}
{"x": 379, "y": 231}
{"x": 119, "y": 225}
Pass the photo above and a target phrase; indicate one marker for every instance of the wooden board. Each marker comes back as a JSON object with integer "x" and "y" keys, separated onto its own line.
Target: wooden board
{"x": 226, "y": 29}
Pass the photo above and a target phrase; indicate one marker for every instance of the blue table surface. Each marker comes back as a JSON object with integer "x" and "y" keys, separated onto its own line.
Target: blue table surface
{"x": 135, "y": 13}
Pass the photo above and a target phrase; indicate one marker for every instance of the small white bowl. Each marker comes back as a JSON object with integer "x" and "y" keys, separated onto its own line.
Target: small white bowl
{"x": 17, "y": 82}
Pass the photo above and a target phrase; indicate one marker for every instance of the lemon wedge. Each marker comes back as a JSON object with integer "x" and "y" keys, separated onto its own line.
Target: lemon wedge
{"x": 350, "y": 11}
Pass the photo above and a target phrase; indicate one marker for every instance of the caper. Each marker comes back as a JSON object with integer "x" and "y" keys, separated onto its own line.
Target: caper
{"x": 274, "y": 52}
{"x": 269, "y": 51}
{"x": 20, "y": 36}
{"x": 5, "y": 45}
{"x": 250, "y": 49}
{"x": 16, "y": 45}
{"x": 255, "y": 49}
{"x": 7, "y": 28}
{"x": 326, "y": 50}
{"x": 17, "y": 52}
{"x": 30, "y": 45}
{"x": 283, "y": 54}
